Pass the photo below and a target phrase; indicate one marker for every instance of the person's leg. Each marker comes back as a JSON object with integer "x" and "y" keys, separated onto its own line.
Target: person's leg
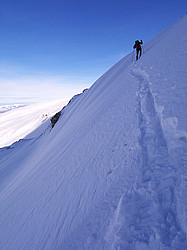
{"x": 140, "y": 52}
{"x": 137, "y": 54}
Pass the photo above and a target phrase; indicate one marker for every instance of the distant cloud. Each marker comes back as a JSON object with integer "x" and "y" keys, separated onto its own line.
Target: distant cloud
{"x": 28, "y": 89}
{"x": 21, "y": 84}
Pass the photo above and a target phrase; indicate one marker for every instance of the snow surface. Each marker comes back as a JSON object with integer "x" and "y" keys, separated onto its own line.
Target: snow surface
{"x": 18, "y": 122}
{"x": 111, "y": 174}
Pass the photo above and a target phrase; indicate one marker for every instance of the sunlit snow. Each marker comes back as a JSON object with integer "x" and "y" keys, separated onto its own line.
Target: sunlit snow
{"x": 18, "y": 122}
{"x": 111, "y": 174}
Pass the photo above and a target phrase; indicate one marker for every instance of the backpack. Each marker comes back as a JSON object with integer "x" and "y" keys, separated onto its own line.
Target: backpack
{"x": 137, "y": 43}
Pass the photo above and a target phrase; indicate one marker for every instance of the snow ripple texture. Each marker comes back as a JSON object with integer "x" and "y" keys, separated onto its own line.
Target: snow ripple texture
{"x": 111, "y": 174}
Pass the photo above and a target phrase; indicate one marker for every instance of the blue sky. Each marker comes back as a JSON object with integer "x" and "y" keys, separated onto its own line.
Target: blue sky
{"x": 51, "y": 49}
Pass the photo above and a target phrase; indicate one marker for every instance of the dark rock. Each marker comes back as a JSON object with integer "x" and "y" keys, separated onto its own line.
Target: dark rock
{"x": 55, "y": 118}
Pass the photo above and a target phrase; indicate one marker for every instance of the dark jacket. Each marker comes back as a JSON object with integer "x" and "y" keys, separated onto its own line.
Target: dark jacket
{"x": 137, "y": 44}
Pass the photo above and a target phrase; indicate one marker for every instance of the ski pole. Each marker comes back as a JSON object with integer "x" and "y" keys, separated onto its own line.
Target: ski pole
{"x": 133, "y": 55}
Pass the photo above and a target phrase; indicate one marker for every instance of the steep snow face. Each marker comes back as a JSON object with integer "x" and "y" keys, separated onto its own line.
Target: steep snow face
{"x": 17, "y": 122}
{"x": 111, "y": 173}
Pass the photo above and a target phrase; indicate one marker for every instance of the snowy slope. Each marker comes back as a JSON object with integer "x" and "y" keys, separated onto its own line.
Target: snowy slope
{"x": 111, "y": 173}
{"x": 17, "y": 123}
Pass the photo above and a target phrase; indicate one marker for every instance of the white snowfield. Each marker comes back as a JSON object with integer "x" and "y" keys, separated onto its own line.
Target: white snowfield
{"x": 111, "y": 174}
{"x": 18, "y": 122}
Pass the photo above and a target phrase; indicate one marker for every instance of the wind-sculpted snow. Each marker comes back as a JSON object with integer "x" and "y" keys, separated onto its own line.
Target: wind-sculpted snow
{"x": 111, "y": 174}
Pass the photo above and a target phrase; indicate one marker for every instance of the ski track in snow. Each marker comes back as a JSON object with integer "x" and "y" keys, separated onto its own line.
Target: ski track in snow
{"x": 158, "y": 179}
{"x": 111, "y": 173}
{"x": 147, "y": 215}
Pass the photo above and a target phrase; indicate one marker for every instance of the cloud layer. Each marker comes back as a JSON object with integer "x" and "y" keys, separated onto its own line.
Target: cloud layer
{"x": 38, "y": 88}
